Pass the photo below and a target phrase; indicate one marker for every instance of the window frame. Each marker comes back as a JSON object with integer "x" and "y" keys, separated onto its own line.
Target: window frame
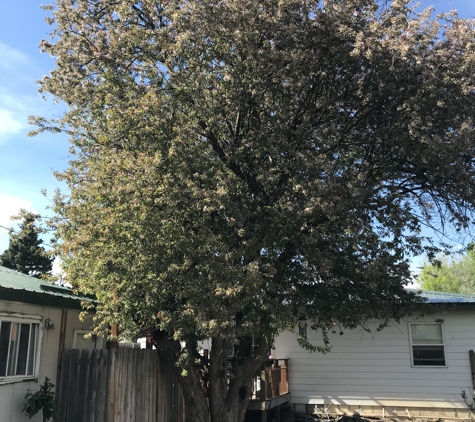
{"x": 411, "y": 344}
{"x": 25, "y": 319}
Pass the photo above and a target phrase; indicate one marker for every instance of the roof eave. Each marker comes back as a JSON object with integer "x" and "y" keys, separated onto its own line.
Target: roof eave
{"x": 40, "y": 299}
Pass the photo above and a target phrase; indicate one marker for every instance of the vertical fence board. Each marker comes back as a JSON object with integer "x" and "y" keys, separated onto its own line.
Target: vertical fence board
{"x": 117, "y": 385}
{"x": 91, "y": 386}
{"x": 155, "y": 395}
{"x": 141, "y": 398}
{"x": 118, "y": 402}
{"x": 111, "y": 385}
{"x": 138, "y": 388}
{"x": 63, "y": 387}
{"x": 128, "y": 398}
{"x": 83, "y": 385}
{"x": 101, "y": 397}
{"x": 160, "y": 410}
{"x": 74, "y": 386}
{"x": 149, "y": 384}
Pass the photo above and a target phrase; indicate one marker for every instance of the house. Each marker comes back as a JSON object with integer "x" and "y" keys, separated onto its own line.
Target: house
{"x": 418, "y": 367}
{"x": 37, "y": 321}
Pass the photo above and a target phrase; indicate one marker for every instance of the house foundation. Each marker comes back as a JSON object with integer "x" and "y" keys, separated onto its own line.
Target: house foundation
{"x": 384, "y": 412}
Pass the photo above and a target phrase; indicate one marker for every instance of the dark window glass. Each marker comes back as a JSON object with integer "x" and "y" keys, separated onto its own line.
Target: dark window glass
{"x": 428, "y": 355}
{"x": 5, "y": 328}
{"x": 23, "y": 349}
{"x": 32, "y": 353}
{"x": 13, "y": 353}
{"x": 18, "y": 348}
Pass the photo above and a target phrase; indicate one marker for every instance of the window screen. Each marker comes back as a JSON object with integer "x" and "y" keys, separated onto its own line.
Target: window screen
{"x": 427, "y": 345}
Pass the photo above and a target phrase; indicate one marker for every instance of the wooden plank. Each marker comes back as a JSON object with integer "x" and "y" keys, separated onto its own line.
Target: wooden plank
{"x": 471, "y": 356}
{"x": 102, "y": 384}
{"x": 137, "y": 386}
{"x": 111, "y": 385}
{"x": 92, "y": 382}
{"x": 139, "y": 400}
{"x": 119, "y": 403}
{"x": 62, "y": 338}
{"x": 153, "y": 387}
{"x": 73, "y": 403}
{"x": 161, "y": 394}
{"x": 160, "y": 409}
{"x": 130, "y": 385}
{"x": 83, "y": 384}
{"x": 163, "y": 390}
{"x": 123, "y": 385}
{"x": 156, "y": 384}
{"x": 145, "y": 390}
{"x": 166, "y": 386}
{"x": 150, "y": 387}
{"x": 262, "y": 393}
{"x": 63, "y": 387}
{"x": 285, "y": 377}
{"x": 145, "y": 370}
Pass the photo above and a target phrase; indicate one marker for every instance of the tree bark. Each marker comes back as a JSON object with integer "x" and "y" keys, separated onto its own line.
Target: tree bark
{"x": 215, "y": 394}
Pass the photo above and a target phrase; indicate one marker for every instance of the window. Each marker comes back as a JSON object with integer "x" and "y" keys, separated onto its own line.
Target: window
{"x": 427, "y": 344}
{"x": 19, "y": 339}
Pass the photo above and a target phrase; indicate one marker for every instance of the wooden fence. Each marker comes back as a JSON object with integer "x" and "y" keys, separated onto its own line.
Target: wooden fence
{"x": 117, "y": 385}
{"x": 272, "y": 380}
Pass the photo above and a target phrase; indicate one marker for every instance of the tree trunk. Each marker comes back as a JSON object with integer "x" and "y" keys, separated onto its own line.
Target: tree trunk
{"x": 213, "y": 393}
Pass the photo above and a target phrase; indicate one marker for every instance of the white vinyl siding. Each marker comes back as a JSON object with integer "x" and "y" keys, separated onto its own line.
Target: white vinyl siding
{"x": 376, "y": 368}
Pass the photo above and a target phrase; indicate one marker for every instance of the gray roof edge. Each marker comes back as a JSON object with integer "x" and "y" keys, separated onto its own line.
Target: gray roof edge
{"x": 444, "y": 297}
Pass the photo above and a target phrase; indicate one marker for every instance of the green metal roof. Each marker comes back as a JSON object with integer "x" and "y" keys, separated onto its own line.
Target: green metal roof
{"x": 20, "y": 287}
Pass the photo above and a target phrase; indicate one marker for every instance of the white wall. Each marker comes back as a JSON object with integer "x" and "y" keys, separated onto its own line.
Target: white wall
{"x": 12, "y": 395}
{"x": 374, "y": 369}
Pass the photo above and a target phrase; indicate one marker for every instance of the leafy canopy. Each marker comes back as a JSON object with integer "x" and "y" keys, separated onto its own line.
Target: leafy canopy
{"x": 454, "y": 275}
{"x": 241, "y": 163}
{"x": 25, "y": 253}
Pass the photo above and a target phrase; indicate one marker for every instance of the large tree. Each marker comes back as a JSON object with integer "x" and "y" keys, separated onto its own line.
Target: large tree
{"x": 450, "y": 274}
{"x": 241, "y": 164}
{"x": 25, "y": 252}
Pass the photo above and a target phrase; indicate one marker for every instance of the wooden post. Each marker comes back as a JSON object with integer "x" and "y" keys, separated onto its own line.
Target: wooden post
{"x": 114, "y": 344}
{"x": 62, "y": 388}
{"x": 62, "y": 339}
{"x": 471, "y": 355}
{"x": 284, "y": 382}
{"x": 148, "y": 341}
{"x": 103, "y": 376}
{"x": 263, "y": 382}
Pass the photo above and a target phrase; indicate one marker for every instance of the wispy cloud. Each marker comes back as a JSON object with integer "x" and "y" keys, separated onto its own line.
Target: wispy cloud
{"x": 9, "y": 124}
{"x": 14, "y": 111}
{"x": 10, "y": 57}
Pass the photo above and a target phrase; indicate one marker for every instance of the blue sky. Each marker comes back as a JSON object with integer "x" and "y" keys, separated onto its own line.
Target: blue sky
{"x": 26, "y": 164}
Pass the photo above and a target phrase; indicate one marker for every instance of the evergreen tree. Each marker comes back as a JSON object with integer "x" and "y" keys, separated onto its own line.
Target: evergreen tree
{"x": 25, "y": 253}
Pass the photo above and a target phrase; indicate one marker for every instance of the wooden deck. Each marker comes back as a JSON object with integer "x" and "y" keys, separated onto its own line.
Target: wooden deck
{"x": 270, "y": 387}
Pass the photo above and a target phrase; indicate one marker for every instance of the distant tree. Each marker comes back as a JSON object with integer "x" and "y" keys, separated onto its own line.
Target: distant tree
{"x": 25, "y": 253}
{"x": 447, "y": 275}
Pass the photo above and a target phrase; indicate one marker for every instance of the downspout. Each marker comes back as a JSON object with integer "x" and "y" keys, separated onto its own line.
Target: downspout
{"x": 62, "y": 341}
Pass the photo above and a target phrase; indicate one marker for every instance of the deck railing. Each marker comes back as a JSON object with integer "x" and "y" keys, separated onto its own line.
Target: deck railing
{"x": 271, "y": 380}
